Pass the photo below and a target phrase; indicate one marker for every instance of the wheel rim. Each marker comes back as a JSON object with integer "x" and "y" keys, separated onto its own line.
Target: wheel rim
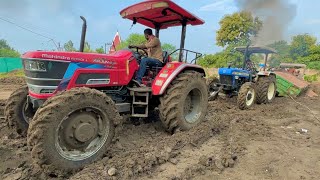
{"x": 192, "y": 108}
{"x": 27, "y": 112}
{"x": 81, "y": 134}
{"x": 271, "y": 91}
{"x": 250, "y": 97}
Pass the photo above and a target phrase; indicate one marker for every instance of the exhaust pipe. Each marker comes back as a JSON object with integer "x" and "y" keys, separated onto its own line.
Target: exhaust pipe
{"x": 83, "y": 34}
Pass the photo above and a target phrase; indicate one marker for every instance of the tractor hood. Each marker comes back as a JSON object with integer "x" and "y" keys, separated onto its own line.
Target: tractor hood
{"x": 93, "y": 58}
{"x": 48, "y": 71}
{"x": 234, "y": 72}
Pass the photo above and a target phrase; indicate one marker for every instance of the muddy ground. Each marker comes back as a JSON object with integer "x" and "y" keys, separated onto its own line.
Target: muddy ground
{"x": 275, "y": 141}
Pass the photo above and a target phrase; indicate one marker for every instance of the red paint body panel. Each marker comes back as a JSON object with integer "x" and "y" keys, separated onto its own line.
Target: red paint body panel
{"x": 152, "y": 9}
{"x": 93, "y": 58}
{"x": 169, "y": 73}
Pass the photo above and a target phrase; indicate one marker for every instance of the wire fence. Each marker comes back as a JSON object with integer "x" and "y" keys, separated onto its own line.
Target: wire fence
{"x": 10, "y": 64}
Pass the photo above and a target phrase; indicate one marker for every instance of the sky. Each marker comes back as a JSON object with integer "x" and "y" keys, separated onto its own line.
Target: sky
{"x": 60, "y": 20}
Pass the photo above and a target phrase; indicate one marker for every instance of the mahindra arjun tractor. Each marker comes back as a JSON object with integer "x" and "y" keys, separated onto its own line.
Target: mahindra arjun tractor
{"x": 247, "y": 82}
{"x": 73, "y": 100}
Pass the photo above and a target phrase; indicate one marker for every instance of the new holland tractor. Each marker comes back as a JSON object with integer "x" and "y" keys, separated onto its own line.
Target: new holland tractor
{"x": 72, "y": 100}
{"x": 249, "y": 84}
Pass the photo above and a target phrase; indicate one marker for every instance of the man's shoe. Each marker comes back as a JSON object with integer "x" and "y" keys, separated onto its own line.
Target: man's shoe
{"x": 138, "y": 83}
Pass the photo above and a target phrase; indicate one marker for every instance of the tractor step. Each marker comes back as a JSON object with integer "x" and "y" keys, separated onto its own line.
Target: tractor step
{"x": 140, "y": 89}
{"x": 140, "y": 103}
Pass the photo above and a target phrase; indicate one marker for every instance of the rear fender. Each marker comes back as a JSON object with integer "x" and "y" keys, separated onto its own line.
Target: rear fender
{"x": 265, "y": 74}
{"x": 169, "y": 72}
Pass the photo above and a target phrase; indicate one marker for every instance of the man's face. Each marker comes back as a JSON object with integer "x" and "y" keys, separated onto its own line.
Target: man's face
{"x": 146, "y": 36}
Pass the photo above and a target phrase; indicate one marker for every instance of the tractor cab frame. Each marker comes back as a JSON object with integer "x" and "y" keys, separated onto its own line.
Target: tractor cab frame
{"x": 248, "y": 83}
{"x": 163, "y": 14}
{"x": 248, "y": 51}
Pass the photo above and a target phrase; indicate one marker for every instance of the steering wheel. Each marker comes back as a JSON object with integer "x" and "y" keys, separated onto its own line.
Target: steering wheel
{"x": 137, "y": 50}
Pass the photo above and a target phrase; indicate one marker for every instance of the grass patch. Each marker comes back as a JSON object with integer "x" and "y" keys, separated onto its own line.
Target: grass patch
{"x": 15, "y": 73}
{"x": 312, "y": 78}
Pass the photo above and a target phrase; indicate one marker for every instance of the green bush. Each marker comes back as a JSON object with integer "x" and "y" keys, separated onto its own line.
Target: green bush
{"x": 311, "y": 78}
{"x": 314, "y": 65}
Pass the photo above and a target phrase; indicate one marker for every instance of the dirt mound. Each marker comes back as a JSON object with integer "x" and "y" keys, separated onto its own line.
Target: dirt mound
{"x": 2, "y": 105}
{"x": 315, "y": 87}
{"x": 13, "y": 80}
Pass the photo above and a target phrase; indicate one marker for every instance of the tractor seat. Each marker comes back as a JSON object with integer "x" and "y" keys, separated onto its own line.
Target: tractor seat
{"x": 165, "y": 56}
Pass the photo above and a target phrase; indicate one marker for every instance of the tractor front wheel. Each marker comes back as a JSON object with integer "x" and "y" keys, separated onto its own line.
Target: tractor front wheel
{"x": 18, "y": 112}
{"x": 71, "y": 130}
{"x": 185, "y": 102}
{"x": 266, "y": 89}
{"x": 246, "y": 96}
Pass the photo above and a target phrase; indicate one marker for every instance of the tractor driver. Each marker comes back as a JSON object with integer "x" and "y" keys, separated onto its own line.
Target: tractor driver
{"x": 153, "y": 46}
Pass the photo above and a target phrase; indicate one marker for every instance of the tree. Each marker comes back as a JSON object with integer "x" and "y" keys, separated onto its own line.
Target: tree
{"x": 137, "y": 39}
{"x": 100, "y": 50}
{"x": 282, "y": 55}
{"x": 237, "y": 29}
{"x": 87, "y": 48}
{"x": 313, "y": 59}
{"x": 4, "y": 44}
{"x": 6, "y": 50}
{"x": 168, "y": 47}
{"x": 300, "y": 45}
{"x": 69, "y": 46}
{"x": 222, "y": 59}
{"x": 133, "y": 39}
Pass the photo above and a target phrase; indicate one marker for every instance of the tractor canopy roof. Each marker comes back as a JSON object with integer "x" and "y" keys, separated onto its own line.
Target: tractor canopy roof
{"x": 159, "y": 14}
{"x": 256, "y": 49}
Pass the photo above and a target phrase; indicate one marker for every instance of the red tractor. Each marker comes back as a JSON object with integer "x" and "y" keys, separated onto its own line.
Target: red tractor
{"x": 72, "y": 100}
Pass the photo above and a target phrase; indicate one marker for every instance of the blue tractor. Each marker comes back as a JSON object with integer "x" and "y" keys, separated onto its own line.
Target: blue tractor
{"x": 249, "y": 84}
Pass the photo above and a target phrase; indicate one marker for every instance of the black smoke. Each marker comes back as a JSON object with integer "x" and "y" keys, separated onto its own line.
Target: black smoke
{"x": 275, "y": 14}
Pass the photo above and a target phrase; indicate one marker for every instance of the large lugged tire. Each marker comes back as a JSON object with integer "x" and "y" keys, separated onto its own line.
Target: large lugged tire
{"x": 266, "y": 89}
{"x": 246, "y": 96}
{"x": 16, "y": 112}
{"x": 185, "y": 103}
{"x": 71, "y": 130}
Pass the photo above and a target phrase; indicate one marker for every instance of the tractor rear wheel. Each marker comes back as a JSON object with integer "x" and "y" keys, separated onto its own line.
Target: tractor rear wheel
{"x": 71, "y": 130}
{"x": 18, "y": 112}
{"x": 246, "y": 96}
{"x": 266, "y": 89}
{"x": 184, "y": 105}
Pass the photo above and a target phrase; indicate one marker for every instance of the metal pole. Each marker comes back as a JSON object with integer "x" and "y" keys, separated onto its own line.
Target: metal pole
{"x": 157, "y": 32}
{"x": 183, "y": 38}
{"x": 246, "y": 56}
{"x": 265, "y": 62}
{"x": 83, "y": 34}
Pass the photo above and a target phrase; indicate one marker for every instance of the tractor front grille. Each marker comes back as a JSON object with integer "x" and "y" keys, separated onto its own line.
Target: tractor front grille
{"x": 43, "y": 76}
{"x": 227, "y": 80}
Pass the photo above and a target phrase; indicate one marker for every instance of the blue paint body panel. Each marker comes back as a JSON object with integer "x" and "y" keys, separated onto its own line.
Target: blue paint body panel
{"x": 234, "y": 72}
{"x": 71, "y": 70}
{"x": 229, "y": 77}
{"x": 74, "y": 66}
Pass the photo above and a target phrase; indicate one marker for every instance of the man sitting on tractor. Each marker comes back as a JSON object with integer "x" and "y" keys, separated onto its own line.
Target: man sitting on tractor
{"x": 153, "y": 46}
